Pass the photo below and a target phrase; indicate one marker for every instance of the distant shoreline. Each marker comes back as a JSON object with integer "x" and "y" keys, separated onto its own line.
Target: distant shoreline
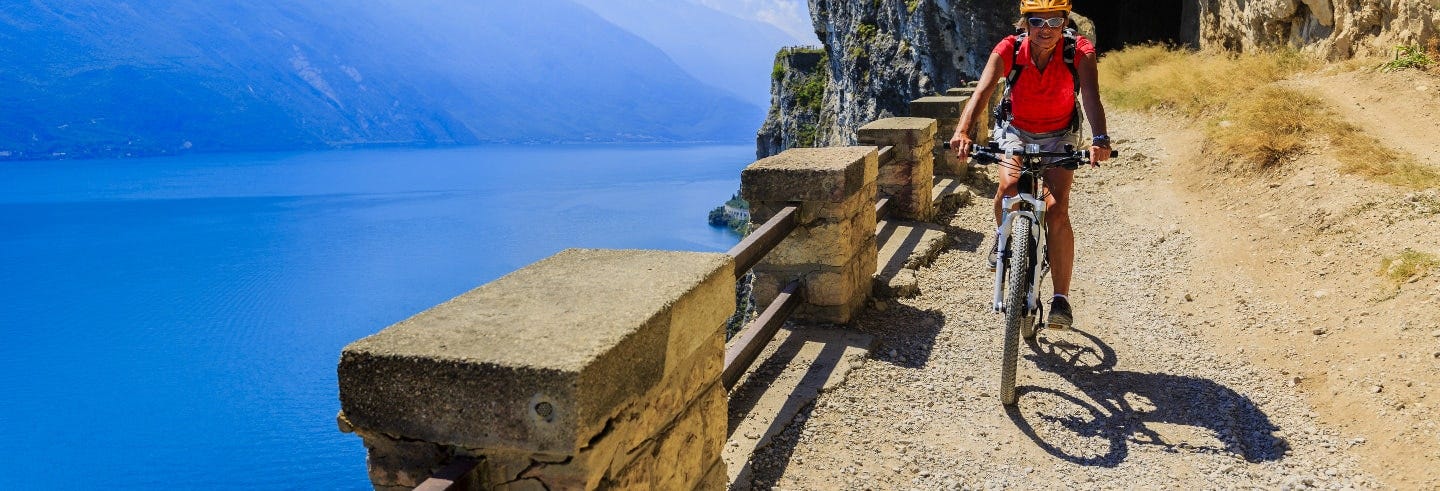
{"x": 111, "y": 154}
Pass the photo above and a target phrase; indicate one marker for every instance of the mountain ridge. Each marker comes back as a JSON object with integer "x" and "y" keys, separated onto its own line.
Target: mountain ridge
{"x": 145, "y": 77}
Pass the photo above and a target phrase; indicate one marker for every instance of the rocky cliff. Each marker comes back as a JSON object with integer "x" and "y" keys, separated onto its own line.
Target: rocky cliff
{"x": 1336, "y": 29}
{"x": 881, "y": 54}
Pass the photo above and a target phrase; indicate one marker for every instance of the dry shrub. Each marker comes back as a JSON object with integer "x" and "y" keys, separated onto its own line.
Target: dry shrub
{"x": 1364, "y": 156}
{"x": 1192, "y": 83}
{"x": 1266, "y": 127}
{"x": 1261, "y": 125}
{"x": 1409, "y": 265}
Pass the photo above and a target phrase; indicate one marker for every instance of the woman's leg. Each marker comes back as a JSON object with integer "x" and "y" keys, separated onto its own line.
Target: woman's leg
{"x": 1057, "y": 221}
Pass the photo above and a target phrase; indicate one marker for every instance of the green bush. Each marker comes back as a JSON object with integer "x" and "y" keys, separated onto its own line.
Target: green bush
{"x": 1408, "y": 57}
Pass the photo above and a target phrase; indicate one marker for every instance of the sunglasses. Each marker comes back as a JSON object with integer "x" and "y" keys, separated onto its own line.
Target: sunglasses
{"x": 1051, "y": 22}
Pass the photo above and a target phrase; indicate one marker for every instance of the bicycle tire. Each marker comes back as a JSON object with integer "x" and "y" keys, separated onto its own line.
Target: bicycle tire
{"x": 1017, "y": 288}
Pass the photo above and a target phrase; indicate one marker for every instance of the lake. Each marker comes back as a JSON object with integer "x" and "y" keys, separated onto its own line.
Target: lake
{"x": 177, "y": 321}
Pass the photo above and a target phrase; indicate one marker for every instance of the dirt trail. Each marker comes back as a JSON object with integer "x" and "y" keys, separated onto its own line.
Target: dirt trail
{"x": 1231, "y": 333}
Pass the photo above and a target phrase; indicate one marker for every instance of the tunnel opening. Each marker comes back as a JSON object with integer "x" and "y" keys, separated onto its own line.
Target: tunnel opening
{"x": 1120, "y": 23}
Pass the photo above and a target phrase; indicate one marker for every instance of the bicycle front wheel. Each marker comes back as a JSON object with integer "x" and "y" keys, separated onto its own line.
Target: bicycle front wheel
{"x": 1017, "y": 289}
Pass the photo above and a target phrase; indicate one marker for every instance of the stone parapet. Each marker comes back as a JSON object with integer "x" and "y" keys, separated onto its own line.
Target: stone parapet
{"x": 946, "y": 111}
{"x": 832, "y": 250}
{"x": 591, "y": 368}
{"x": 908, "y": 176}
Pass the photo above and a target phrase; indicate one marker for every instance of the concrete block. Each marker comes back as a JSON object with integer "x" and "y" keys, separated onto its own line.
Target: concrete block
{"x": 939, "y": 107}
{"x": 832, "y": 174}
{"x": 959, "y": 91}
{"x": 540, "y": 360}
{"x": 827, "y": 243}
{"x": 897, "y": 131}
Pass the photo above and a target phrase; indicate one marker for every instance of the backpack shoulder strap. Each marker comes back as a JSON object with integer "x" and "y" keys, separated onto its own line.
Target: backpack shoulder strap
{"x": 1014, "y": 64}
{"x": 1068, "y": 51}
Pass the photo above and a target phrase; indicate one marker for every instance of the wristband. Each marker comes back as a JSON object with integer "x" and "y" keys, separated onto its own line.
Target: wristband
{"x": 1100, "y": 141}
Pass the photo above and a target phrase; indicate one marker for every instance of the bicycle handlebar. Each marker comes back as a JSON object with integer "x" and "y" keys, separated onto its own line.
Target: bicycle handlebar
{"x": 988, "y": 152}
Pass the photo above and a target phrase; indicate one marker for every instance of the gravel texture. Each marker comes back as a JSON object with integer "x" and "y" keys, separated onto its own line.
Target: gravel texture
{"x": 1136, "y": 397}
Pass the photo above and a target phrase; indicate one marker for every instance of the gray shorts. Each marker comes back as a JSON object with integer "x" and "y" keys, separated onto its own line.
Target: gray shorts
{"x": 1014, "y": 139}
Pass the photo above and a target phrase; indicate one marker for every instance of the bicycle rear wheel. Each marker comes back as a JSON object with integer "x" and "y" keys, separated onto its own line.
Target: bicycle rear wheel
{"x": 1017, "y": 288}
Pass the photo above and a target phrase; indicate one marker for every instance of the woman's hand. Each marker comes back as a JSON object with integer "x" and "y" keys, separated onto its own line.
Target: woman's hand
{"x": 960, "y": 143}
{"x": 1099, "y": 154}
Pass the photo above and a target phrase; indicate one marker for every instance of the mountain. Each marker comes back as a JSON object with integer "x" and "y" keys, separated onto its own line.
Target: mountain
{"x": 141, "y": 77}
{"x": 718, "y": 48}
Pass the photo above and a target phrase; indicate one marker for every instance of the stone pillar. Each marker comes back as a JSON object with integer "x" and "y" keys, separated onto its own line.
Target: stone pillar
{"x": 945, "y": 110}
{"x": 591, "y": 368}
{"x": 960, "y": 91}
{"x": 832, "y": 250}
{"x": 908, "y": 176}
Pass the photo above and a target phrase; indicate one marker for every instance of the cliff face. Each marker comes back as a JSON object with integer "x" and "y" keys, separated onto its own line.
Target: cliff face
{"x": 881, "y": 54}
{"x": 799, "y": 81}
{"x": 1336, "y": 29}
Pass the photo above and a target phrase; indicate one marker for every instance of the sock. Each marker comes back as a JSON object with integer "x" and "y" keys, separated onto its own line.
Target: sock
{"x": 1067, "y": 298}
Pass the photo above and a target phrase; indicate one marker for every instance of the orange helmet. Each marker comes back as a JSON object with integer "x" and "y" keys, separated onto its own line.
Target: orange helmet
{"x": 1034, "y": 6}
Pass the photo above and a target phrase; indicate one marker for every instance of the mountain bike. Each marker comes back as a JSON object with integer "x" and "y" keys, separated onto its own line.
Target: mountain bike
{"x": 1022, "y": 250}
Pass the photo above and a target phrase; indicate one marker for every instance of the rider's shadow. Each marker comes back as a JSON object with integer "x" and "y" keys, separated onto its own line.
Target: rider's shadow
{"x": 1180, "y": 413}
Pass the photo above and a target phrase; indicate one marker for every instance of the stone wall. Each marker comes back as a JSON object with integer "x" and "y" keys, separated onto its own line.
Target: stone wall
{"x": 1337, "y": 29}
{"x": 832, "y": 250}
{"x": 588, "y": 369}
{"x": 907, "y": 177}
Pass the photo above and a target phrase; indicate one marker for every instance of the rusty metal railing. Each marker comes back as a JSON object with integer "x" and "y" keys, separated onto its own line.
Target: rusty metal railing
{"x": 760, "y": 242}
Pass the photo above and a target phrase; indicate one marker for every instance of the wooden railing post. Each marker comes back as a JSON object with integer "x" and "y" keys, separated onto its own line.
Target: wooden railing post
{"x": 832, "y": 250}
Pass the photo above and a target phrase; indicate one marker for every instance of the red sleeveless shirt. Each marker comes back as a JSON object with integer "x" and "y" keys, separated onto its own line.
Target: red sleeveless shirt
{"x": 1042, "y": 101}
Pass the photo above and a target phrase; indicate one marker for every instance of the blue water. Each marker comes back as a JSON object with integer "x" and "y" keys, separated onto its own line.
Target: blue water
{"x": 178, "y": 321}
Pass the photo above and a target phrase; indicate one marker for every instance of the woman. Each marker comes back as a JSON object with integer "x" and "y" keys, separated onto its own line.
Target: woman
{"x": 1042, "y": 110}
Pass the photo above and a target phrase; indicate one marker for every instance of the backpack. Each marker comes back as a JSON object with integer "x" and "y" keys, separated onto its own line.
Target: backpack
{"x": 1067, "y": 52}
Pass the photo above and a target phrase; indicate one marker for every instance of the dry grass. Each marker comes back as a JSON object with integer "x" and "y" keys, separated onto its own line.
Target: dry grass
{"x": 1246, "y": 115}
{"x": 1364, "y": 156}
{"x": 1410, "y": 265}
{"x": 1192, "y": 83}
{"x": 1267, "y": 127}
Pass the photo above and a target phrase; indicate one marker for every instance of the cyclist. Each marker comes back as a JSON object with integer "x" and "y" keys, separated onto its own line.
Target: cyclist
{"x": 1041, "y": 107}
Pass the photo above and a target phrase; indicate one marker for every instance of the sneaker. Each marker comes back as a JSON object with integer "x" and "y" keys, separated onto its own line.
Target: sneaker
{"x": 1060, "y": 317}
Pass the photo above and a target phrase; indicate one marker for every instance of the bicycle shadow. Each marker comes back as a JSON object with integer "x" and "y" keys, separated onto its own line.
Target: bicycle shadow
{"x": 1177, "y": 412}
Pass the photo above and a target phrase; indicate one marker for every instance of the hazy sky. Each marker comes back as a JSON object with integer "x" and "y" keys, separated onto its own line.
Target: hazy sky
{"x": 791, "y": 16}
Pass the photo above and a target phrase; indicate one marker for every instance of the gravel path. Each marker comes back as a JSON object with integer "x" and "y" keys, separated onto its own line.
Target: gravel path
{"x": 1136, "y": 397}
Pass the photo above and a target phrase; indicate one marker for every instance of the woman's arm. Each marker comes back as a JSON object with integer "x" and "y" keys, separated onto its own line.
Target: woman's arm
{"x": 1090, "y": 99}
{"x": 964, "y": 132}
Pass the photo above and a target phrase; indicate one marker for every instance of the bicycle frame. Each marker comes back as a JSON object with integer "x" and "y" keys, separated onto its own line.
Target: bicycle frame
{"x": 1036, "y": 213}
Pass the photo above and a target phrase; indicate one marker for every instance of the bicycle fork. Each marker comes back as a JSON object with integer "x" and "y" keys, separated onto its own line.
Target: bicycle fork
{"x": 1036, "y": 214}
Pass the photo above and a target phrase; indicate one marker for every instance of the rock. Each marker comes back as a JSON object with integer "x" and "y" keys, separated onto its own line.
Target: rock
{"x": 1189, "y": 298}
{"x": 1376, "y": 389}
{"x": 1321, "y": 294}
{"x": 1317, "y": 331}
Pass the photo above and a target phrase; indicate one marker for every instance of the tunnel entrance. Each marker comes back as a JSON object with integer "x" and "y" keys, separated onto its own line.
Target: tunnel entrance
{"x": 1120, "y": 23}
